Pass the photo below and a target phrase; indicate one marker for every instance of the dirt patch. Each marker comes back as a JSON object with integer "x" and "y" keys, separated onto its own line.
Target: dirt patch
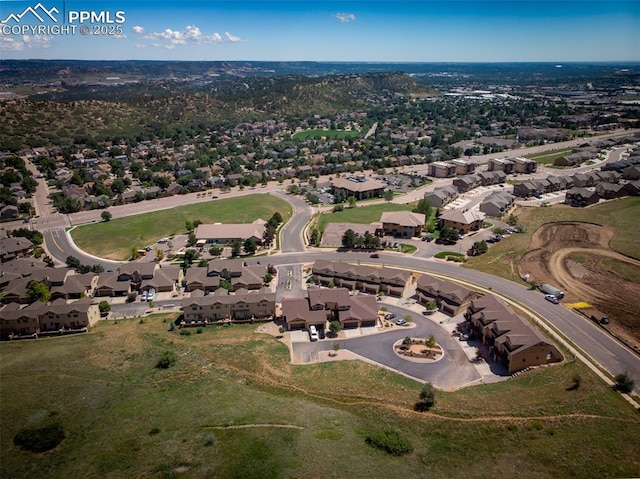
{"x": 549, "y": 260}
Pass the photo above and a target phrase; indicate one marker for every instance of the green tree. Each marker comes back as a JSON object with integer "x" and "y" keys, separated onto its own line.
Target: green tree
{"x": 431, "y": 306}
{"x": 449, "y": 236}
{"x": 349, "y": 239}
{"x": 38, "y": 291}
{"x": 250, "y": 246}
{"x": 236, "y": 247}
{"x": 423, "y": 207}
{"x": 104, "y": 307}
{"x": 190, "y": 256}
{"x": 215, "y": 250}
{"x": 426, "y": 400}
{"x": 73, "y": 262}
{"x": 624, "y": 383}
{"x": 314, "y": 238}
{"x": 159, "y": 254}
{"x": 388, "y": 195}
{"x": 191, "y": 239}
{"x": 335, "y": 328}
{"x": 106, "y": 216}
{"x": 351, "y": 201}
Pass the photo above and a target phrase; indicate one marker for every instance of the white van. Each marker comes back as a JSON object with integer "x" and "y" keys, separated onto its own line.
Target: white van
{"x": 313, "y": 333}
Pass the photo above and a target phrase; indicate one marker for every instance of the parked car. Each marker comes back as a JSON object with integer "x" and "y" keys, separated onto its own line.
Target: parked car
{"x": 374, "y": 255}
{"x": 321, "y": 334}
{"x": 151, "y": 294}
{"x": 551, "y": 298}
{"x": 313, "y": 333}
{"x": 401, "y": 322}
{"x": 389, "y": 316}
{"x": 143, "y": 296}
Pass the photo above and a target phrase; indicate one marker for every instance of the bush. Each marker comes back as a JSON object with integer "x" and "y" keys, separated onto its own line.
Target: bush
{"x": 185, "y": 332}
{"x": 389, "y": 441}
{"x": 40, "y": 439}
{"x": 154, "y": 431}
{"x": 624, "y": 383}
{"x": 199, "y": 331}
{"x": 167, "y": 360}
{"x": 426, "y": 399}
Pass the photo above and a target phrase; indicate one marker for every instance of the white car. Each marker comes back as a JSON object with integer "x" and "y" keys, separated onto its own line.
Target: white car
{"x": 551, "y": 298}
{"x": 143, "y": 297}
{"x": 313, "y": 333}
{"x": 151, "y": 294}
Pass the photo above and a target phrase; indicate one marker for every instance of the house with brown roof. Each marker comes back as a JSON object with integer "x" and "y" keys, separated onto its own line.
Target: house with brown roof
{"x": 511, "y": 340}
{"x": 226, "y": 233}
{"x": 466, "y": 183}
{"x": 441, "y": 169}
{"x": 208, "y": 278}
{"x": 14, "y": 247}
{"x": 463, "y": 221}
{"x": 441, "y": 196}
{"x": 326, "y": 305}
{"x": 404, "y": 224}
{"x": 501, "y": 164}
{"x": 524, "y": 165}
{"x": 581, "y": 197}
{"x": 358, "y": 187}
{"x": 497, "y": 204}
{"x": 451, "y": 297}
{"x": 241, "y": 306}
{"x": 368, "y": 279}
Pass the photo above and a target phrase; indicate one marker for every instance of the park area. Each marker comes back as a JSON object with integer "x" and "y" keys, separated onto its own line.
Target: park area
{"x": 329, "y": 134}
{"x": 229, "y": 403}
{"x": 115, "y": 239}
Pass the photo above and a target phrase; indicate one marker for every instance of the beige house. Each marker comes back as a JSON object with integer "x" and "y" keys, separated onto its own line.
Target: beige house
{"x": 368, "y": 279}
{"x": 404, "y": 224}
{"x": 511, "y": 340}
{"x": 223, "y": 306}
{"x": 450, "y": 297}
{"x": 358, "y": 187}
{"x": 326, "y": 305}
{"x": 226, "y": 233}
{"x": 462, "y": 220}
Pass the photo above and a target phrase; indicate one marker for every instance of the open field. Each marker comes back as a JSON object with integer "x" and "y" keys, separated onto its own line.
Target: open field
{"x": 115, "y": 239}
{"x": 548, "y": 157}
{"x": 330, "y": 134}
{"x": 360, "y": 214}
{"x": 233, "y": 406}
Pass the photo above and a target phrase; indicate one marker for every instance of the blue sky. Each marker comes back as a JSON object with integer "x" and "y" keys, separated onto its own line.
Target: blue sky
{"x": 371, "y": 31}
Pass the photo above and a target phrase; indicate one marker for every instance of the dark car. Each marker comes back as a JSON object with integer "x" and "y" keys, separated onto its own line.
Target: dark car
{"x": 321, "y": 334}
{"x": 374, "y": 255}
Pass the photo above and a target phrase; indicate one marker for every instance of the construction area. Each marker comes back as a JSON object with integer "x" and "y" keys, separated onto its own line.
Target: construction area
{"x": 598, "y": 282}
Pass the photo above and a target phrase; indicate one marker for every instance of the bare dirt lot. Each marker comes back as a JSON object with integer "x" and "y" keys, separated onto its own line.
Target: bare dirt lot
{"x": 577, "y": 258}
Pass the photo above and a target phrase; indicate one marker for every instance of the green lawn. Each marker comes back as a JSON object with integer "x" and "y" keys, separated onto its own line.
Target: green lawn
{"x": 330, "y": 134}
{"x": 548, "y": 157}
{"x": 116, "y": 238}
{"x": 360, "y": 214}
{"x": 503, "y": 258}
{"x": 234, "y": 406}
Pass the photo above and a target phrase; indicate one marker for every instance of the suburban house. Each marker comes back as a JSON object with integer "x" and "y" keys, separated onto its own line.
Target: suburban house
{"x": 581, "y": 197}
{"x": 207, "y": 278}
{"x": 165, "y": 279}
{"x": 441, "y": 169}
{"x": 368, "y": 279}
{"x": 326, "y": 305}
{"x": 488, "y": 178}
{"x": 441, "y": 196}
{"x": 226, "y": 233}
{"x": 463, "y": 167}
{"x": 466, "y": 183}
{"x": 609, "y": 191}
{"x": 358, "y": 187}
{"x": 450, "y": 297}
{"x": 8, "y": 213}
{"x": 501, "y": 164}
{"x": 462, "y": 220}
{"x": 38, "y": 318}
{"x": 526, "y": 189}
{"x": 511, "y": 340}
{"x": 524, "y": 165}
{"x": 404, "y": 224}
{"x": 497, "y": 204}
{"x": 14, "y": 247}
{"x": 224, "y": 306}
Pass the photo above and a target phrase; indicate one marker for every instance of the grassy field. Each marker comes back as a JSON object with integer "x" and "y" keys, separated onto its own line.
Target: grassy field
{"x": 502, "y": 258}
{"x": 116, "y": 238}
{"x": 548, "y": 157}
{"x": 233, "y": 406}
{"x": 330, "y": 134}
{"x": 360, "y": 214}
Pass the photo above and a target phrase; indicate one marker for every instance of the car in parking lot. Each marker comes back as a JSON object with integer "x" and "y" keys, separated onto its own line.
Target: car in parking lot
{"x": 551, "y": 298}
{"x": 401, "y": 322}
{"x": 389, "y": 316}
{"x": 321, "y": 334}
{"x": 143, "y": 296}
{"x": 313, "y": 333}
{"x": 151, "y": 294}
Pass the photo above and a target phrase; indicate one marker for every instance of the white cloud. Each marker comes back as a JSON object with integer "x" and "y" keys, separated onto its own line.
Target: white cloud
{"x": 140, "y": 45}
{"x": 10, "y": 43}
{"x": 137, "y": 29}
{"x": 345, "y": 17}
{"x": 232, "y": 38}
{"x": 190, "y": 35}
{"x": 170, "y": 47}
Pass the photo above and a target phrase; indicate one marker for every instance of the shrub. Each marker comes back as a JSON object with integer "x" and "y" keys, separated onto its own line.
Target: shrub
{"x": 389, "y": 441}
{"x": 407, "y": 341}
{"x": 624, "y": 383}
{"x": 199, "y": 331}
{"x": 426, "y": 400}
{"x": 185, "y": 332}
{"x": 40, "y": 439}
{"x": 167, "y": 359}
{"x": 154, "y": 431}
